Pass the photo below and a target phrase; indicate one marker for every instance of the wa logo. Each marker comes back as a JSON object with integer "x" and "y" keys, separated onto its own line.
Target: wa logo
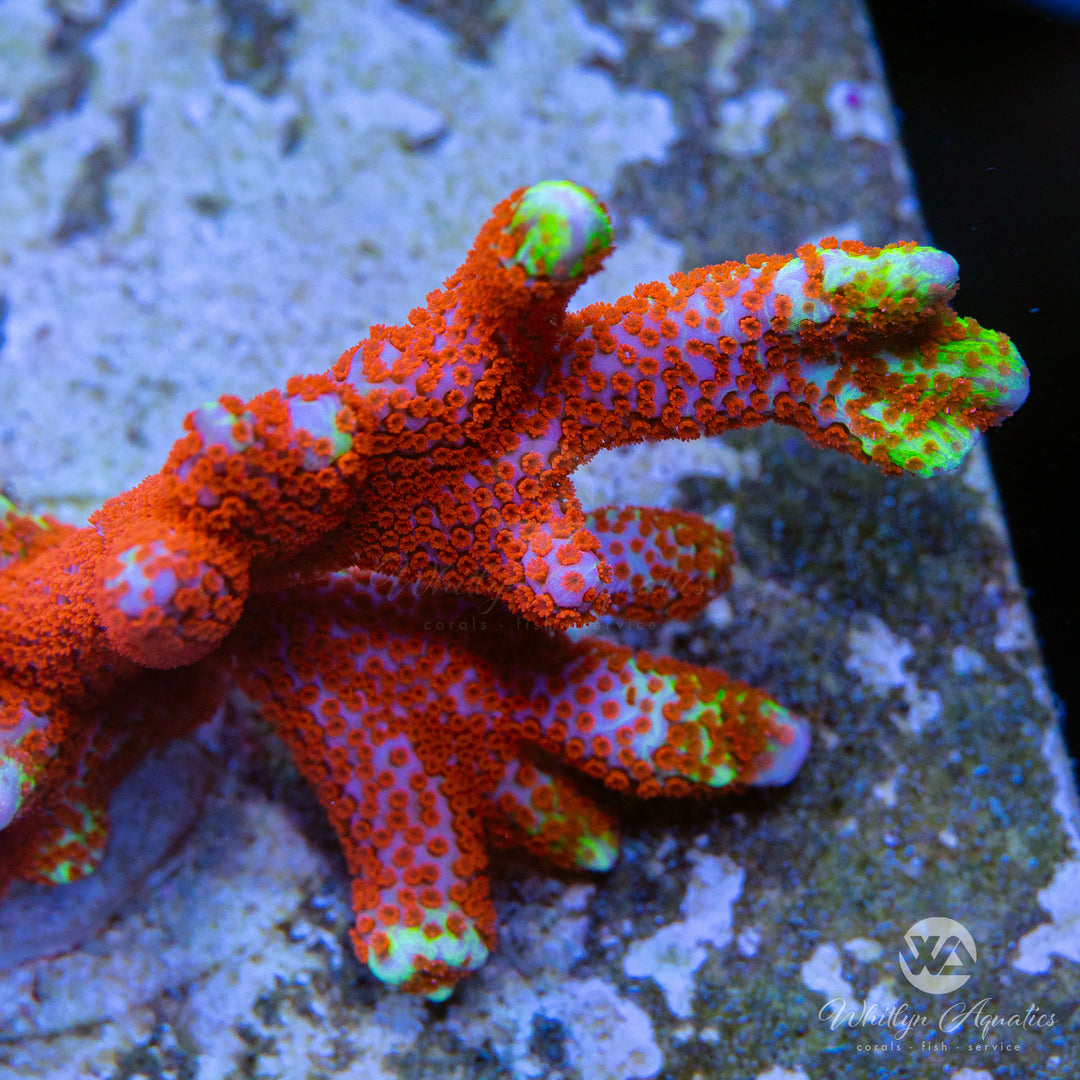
{"x": 940, "y": 955}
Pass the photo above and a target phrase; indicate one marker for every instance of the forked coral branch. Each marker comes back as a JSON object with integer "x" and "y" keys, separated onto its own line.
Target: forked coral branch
{"x": 314, "y": 544}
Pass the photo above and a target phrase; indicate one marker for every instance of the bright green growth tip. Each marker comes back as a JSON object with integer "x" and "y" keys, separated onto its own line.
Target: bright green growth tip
{"x": 395, "y": 967}
{"x": 560, "y": 225}
{"x": 991, "y": 363}
{"x": 984, "y": 362}
{"x": 597, "y": 853}
{"x": 588, "y": 850}
{"x": 921, "y": 273}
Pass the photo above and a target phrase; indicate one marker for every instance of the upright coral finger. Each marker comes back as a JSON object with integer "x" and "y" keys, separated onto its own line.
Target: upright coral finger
{"x": 541, "y": 811}
{"x": 356, "y": 696}
{"x": 656, "y": 725}
{"x": 424, "y": 919}
{"x": 667, "y": 564}
{"x": 454, "y": 494}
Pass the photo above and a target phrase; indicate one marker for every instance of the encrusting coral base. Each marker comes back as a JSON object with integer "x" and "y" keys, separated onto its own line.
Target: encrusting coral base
{"x": 384, "y": 556}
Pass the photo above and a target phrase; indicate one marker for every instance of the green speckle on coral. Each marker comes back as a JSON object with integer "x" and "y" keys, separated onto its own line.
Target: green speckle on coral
{"x": 906, "y": 274}
{"x": 597, "y": 853}
{"x": 317, "y": 419}
{"x": 85, "y": 840}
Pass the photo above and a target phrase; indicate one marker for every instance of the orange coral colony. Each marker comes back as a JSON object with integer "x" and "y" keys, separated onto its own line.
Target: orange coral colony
{"x": 323, "y": 546}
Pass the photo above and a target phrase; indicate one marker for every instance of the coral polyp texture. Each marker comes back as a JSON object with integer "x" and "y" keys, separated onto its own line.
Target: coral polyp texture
{"x": 385, "y": 556}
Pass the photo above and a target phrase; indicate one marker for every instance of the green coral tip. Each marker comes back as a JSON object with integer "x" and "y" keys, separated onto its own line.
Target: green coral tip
{"x": 559, "y": 226}
{"x": 410, "y": 946}
{"x": 597, "y": 853}
{"x": 892, "y": 274}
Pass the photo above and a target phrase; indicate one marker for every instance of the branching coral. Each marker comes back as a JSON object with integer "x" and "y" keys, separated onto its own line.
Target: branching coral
{"x": 319, "y": 545}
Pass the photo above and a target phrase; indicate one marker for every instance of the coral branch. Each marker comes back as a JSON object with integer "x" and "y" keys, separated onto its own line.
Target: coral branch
{"x": 854, "y": 345}
{"x": 410, "y": 713}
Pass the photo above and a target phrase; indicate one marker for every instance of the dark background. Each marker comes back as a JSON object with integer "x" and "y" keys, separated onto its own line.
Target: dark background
{"x": 988, "y": 97}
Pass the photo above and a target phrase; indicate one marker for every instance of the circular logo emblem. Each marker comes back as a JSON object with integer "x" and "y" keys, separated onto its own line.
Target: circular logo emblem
{"x": 939, "y": 955}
